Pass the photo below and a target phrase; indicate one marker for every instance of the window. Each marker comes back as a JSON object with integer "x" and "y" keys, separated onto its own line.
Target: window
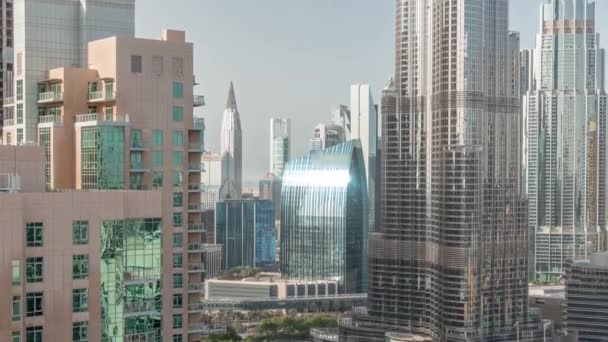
{"x": 177, "y": 179}
{"x": 33, "y": 334}
{"x": 33, "y": 304}
{"x": 178, "y": 280}
{"x": 16, "y": 272}
{"x": 157, "y": 65}
{"x": 178, "y": 138}
{"x": 178, "y": 240}
{"x": 177, "y": 338}
{"x": 178, "y": 260}
{"x": 80, "y": 232}
{"x": 16, "y": 308}
{"x": 178, "y": 67}
{"x": 178, "y": 322}
{"x": 33, "y": 234}
{"x": 157, "y": 137}
{"x": 157, "y": 158}
{"x": 80, "y": 266}
{"x": 136, "y": 65}
{"x": 178, "y": 160}
{"x": 177, "y": 301}
{"x": 34, "y": 269}
{"x": 108, "y": 113}
{"x": 178, "y": 90}
{"x": 178, "y": 199}
{"x": 137, "y": 139}
{"x": 178, "y": 114}
{"x": 20, "y": 134}
{"x": 80, "y": 332}
{"x": 80, "y": 300}
{"x": 19, "y": 114}
{"x": 16, "y": 336}
{"x": 178, "y": 219}
{"x": 157, "y": 179}
{"x": 19, "y": 90}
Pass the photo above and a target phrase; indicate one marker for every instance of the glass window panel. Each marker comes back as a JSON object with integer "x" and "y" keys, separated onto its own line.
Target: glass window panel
{"x": 34, "y": 304}
{"x": 178, "y": 260}
{"x": 34, "y": 269}
{"x": 157, "y": 137}
{"x": 80, "y": 300}
{"x": 16, "y": 308}
{"x": 16, "y": 272}
{"x": 80, "y": 266}
{"x": 178, "y": 199}
{"x": 80, "y": 232}
{"x": 178, "y": 114}
{"x": 80, "y": 332}
{"x": 33, "y": 234}
{"x": 178, "y": 281}
{"x": 178, "y": 90}
{"x": 33, "y": 334}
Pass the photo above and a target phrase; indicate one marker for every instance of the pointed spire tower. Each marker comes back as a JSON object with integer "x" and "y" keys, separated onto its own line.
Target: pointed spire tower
{"x": 231, "y": 149}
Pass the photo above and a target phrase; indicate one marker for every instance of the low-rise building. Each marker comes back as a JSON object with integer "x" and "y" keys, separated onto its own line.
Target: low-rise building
{"x": 268, "y": 286}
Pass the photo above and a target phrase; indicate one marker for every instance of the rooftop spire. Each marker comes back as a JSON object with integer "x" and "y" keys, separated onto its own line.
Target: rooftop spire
{"x": 231, "y": 103}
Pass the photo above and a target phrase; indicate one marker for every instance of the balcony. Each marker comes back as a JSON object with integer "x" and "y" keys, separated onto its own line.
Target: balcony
{"x": 50, "y": 97}
{"x": 195, "y": 187}
{"x": 195, "y": 168}
{"x": 196, "y": 268}
{"x": 144, "y": 307}
{"x": 198, "y": 123}
{"x": 198, "y": 100}
{"x": 196, "y": 248}
{"x": 196, "y": 288}
{"x": 9, "y": 122}
{"x": 195, "y": 308}
{"x": 138, "y": 167}
{"x": 196, "y": 228}
{"x": 195, "y": 148}
{"x": 50, "y": 119}
{"x": 8, "y": 101}
{"x": 102, "y": 96}
{"x": 195, "y": 208}
{"x": 206, "y": 329}
{"x": 91, "y": 118}
{"x": 138, "y": 146}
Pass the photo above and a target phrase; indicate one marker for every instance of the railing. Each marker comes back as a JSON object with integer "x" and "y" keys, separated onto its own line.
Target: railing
{"x": 195, "y": 168}
{"x": 141, "y": 306}
{"x": 138, "y": 145}
{"x": 195, "y": 147}
{"x": 196, "y": 227}
{"x": 102, "y": 96}
{"x": 196, "y": 247}
{"x": 9, "y": 101}
{"x": 196, "y": 267}
{"x": 198, "y": 100}
{"x": 99, "y": 117}
{"x": 141, "y": 273}
{"x": 9, "y": 122}
{"x": 325, "y": 334}
{"x": 195, "y": 187}
{"x": 138, "y": 167}
{"x": 196, "y": 287}
{"x": 50, "y": 119}
{"x": 50, "y": 96}
{"x": 195, "y": 207}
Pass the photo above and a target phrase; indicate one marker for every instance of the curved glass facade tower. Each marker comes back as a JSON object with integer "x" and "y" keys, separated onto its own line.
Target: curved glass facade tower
{"x": 324, "y": 217}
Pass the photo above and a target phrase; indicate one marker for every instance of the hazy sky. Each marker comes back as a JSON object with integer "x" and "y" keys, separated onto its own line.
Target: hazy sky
{"x": 292, "y": 59}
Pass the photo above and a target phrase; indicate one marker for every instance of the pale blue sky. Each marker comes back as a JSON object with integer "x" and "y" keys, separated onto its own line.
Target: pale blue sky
{"x": 291, "y": 58}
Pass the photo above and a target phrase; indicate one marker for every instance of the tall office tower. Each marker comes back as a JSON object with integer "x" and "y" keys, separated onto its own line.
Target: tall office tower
{"x": 325, "y": 136}
{"x": 449, "y": 260}
{"x": 51, "y": 34}
{"x": 341, "y": 115}
{"x": 6, "y": 51}
{"x": 364, "y": 127}
{"x": 231, "y": 150}
{"x": 566, "y": 138}
{"x": 526, "y": 61}
{"x": 270, "y": 189}
{"x": 280, "y": 145}
{"x": 324, "y": 217}
{"x": 104, "y": 136}
{"x": 211, "y": 179}
{"x": 587, "y": 297}
{"x": 245, "y": 229}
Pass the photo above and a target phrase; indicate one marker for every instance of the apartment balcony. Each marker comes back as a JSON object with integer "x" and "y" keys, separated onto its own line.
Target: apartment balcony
{"x": 195, "y": 308}
{"x": 8, "y": 101}
{"x": 196, "y": 268}
{"x": 102, "y": 96}
{"x": 196, "y": 288}
{"x": 99, "y": 118}
{"x": 9, "y": 122}
{"x": 50, "y": 97}
{"x": 195, "y": 167}
{"x": 144, "y": 307}
{"x": 195, "y": 148}
{"x": 138, "y": 167}
{"x": 198, "y": 123}
{"x": 198, "y": 100}
{"x": 196, "y": 228}
{"x": 50, "y": 119}
{"x": 206, "y": 329}
{"x": 196, "y": 248}
{"x": 195, "y": 187}
{"x": 195, "y": 208}
{"x": 138, "y": 146}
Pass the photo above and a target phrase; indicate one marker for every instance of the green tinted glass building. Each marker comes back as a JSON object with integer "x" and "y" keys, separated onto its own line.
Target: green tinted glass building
{"x": 102, "y": 157}
{"x": 324, "y": 217}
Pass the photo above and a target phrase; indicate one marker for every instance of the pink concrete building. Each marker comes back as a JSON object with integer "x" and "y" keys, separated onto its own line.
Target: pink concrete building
{"x": 124, "y": 123}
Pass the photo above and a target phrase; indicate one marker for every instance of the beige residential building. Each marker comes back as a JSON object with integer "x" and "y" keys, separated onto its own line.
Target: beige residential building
{"x": 126, "y": 123}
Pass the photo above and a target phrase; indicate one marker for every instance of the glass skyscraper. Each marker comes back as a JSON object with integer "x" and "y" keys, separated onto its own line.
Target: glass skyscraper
{"x": 449, "y": 260}
{"x": 565, "y": 110}
{"x": 324, "y": 217}
{"x": 246, "y": 230}
{"x": 280, "y": 131}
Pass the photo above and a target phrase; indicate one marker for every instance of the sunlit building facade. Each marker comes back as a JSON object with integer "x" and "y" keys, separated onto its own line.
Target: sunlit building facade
{"x": 326, "y": 135}
{"x": 324, "y": 217}
{"x": 565, "y": 110}
{"x": 280, "y": 132}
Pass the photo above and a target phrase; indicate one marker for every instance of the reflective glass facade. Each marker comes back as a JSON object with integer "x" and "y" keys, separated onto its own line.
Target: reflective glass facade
{"x": 131, "y": 272}
{"x": 324, "y": 217}
{"x": 102, "y": 157}
{"x": 246, "y": 229}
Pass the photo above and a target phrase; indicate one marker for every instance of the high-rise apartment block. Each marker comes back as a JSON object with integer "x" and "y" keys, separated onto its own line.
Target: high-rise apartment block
{"x": 126, "y": 122}
{"x": 324, "y": 217}
{"x": 449, "y": 260}
{"x": 246, "y": 230}
{"x": 231, "y": 150}
{"x": 54, "y": 34}
{"x": 280, "y": 144}
{"x": 565, "y": 110}
{"x": 587, "y": 297}
{"x": 6, "y": 53}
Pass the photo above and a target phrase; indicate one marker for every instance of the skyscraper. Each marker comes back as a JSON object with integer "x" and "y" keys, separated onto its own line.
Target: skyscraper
{"x": 51, "y": 34}
{"x": 231, "y": 150}
{"x": 566, "y": 138}
{"x": 6, "y": 51}
{"x": 326, "y": 135}
{"x": 324, "y": 217}
{"x": 449, "y": 260}
{"x": 280, "y": 145}
{"x": 341, "y": 115}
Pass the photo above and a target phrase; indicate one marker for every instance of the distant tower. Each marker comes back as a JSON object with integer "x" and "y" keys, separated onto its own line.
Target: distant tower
{"x": 341, "y": 116}
{"x": 280, "y": 130}
{"x": 231, "y": 150}
{"x": 325, "y": 136}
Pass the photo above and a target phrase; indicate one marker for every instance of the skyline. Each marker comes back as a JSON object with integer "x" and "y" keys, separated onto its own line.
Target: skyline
{"x": 300, "y": 44}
